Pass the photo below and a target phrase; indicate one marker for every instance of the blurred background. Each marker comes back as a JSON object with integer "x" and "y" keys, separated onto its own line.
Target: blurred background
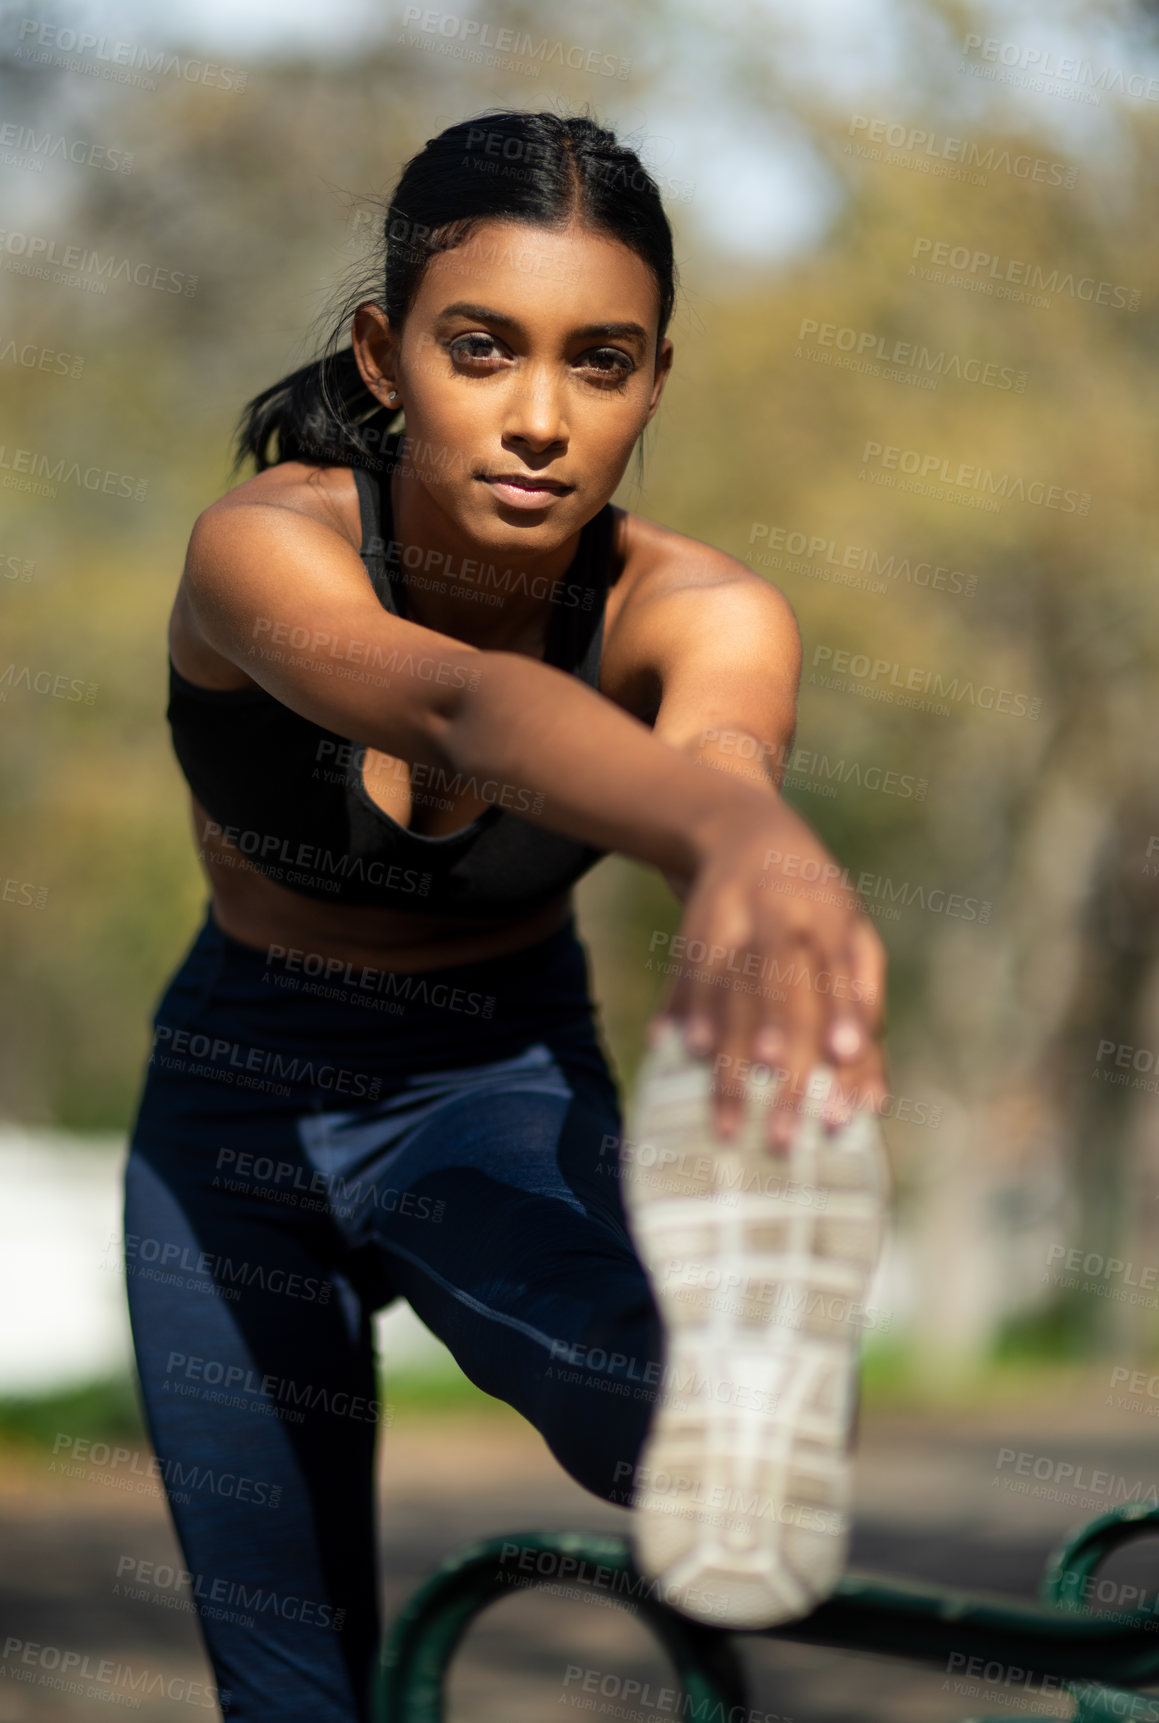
{"x": 917, "y": 351}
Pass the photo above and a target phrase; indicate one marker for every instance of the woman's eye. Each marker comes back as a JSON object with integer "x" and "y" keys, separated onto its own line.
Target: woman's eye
{"x": 474, "y": 346}
{"x": 609, "y": 362}
{"x": 608, "y": 365}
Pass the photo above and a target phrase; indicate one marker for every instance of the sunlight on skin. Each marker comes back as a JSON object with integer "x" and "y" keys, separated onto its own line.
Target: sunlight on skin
{"x": 529, "y": 390}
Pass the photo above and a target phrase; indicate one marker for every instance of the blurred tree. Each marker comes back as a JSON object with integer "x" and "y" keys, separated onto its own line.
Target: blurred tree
{"x": 268, "y": 198}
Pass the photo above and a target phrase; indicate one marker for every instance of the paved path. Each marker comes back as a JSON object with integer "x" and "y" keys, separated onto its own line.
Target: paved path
{"x": 935, "y": 1503}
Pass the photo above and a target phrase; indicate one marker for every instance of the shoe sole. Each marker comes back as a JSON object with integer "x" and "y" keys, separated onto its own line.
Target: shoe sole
{"x": 759, "y": 1265}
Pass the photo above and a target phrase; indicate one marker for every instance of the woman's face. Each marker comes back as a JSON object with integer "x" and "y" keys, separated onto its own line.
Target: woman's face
{"x": 528, "y": 355}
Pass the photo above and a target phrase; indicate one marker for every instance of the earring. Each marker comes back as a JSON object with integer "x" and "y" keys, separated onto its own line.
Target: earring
{"x": 393, "y": 395}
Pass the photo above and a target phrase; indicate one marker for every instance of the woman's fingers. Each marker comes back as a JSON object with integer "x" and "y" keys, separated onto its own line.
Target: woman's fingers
{"x": 852, "y": 1043}
{"x": 793, "y": 987}
{"x": 731, "y": 1057}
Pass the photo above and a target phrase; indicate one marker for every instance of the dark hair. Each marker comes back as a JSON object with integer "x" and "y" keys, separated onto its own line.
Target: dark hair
{"x": 504, "y": 165}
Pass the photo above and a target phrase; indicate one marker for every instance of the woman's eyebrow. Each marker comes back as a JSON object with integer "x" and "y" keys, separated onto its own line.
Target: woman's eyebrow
{"x": 615, "y": 331}
{"x": 603, "y": 331}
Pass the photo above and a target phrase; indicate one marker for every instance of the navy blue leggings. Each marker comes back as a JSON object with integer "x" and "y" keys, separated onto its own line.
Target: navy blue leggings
{"x": 309, "y": 1146}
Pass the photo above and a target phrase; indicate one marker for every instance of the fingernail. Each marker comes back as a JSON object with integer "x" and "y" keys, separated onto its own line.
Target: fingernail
{"x": 845, "y": 1040}
{"x": 784, "y": 1126}
{"x": 769, "y": 1044}
{"x": 697, "y": 1035}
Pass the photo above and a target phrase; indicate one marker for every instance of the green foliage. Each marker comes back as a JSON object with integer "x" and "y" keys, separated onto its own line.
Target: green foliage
{"x": 105, "y": 1409}
{"x": 1046, "y": 819}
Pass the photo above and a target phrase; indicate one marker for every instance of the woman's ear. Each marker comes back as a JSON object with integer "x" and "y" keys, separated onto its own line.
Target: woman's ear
{"x": 663, "y": 367}
{"x": 375, "y": 346}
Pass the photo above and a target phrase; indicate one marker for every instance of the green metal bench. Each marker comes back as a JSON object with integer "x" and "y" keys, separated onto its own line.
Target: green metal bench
{"x": 1100, "y": 1660}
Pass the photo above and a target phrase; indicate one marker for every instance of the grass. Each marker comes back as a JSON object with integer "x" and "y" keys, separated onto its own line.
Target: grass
{"x": 893, "y": 1378}
{"x": 107, "y": 1410}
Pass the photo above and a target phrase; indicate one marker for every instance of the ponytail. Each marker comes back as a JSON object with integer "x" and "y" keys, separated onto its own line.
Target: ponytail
{"x": 322, "y": 412}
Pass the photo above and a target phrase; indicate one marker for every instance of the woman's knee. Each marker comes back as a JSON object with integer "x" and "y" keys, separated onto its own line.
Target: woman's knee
{"x": 600, "y": 1391}
{"x": 598, "y": 1435}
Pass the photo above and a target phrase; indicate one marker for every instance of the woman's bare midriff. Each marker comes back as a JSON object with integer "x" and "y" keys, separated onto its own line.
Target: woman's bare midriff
{"x": 261, "y": 913}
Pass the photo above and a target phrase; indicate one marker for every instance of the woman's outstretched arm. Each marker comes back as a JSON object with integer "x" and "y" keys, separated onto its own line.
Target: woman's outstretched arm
{"x": 287, "y": 600}
{"x": 720, "y": 650}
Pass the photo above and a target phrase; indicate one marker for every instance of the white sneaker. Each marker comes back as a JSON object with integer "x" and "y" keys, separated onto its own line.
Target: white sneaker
{"x": 759, "y": 1265}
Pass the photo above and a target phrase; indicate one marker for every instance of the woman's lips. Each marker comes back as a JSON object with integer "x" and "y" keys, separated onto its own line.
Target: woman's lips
{"x": 518, "y": 494}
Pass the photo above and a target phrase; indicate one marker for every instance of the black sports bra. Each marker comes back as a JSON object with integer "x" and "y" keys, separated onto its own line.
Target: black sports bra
{"x": 290, "y": 794}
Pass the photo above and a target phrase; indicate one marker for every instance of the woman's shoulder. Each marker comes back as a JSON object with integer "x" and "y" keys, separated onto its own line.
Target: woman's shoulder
{"x": 650, "y": 560}
{"x": 656, "y": 569}
{"x": 327, "y": 495}
{"x": 289, "y": 492}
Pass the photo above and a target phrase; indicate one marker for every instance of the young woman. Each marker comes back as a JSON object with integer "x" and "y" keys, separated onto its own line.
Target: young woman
{"x": 423, "y": 676}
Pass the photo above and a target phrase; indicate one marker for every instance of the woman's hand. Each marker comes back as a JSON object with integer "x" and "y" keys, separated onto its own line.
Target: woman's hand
{"x": 778, "y": 966}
